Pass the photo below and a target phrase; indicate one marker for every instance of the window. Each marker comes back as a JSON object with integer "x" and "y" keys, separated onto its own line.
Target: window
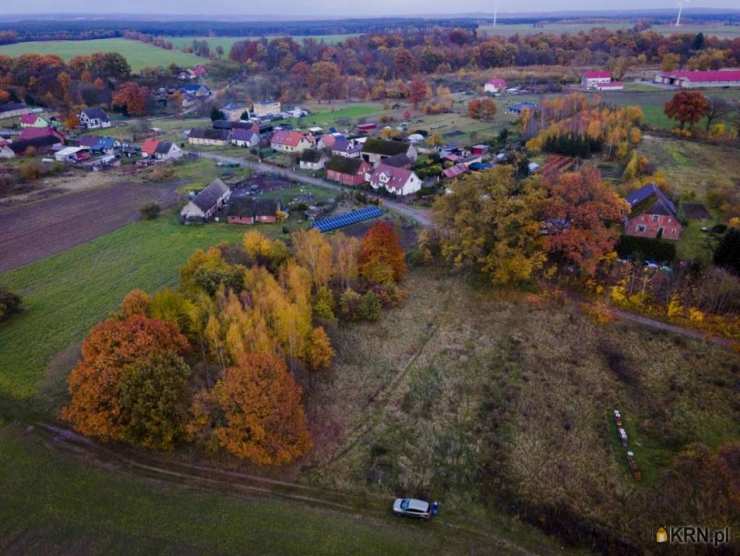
{"x": 641, "y": 227}
{"x": 655, "y": 217}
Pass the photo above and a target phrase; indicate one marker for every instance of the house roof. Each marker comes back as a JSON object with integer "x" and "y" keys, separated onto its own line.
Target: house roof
{"x": 163, "y": 147}
{"x": 384, "y": 147}
{"x": 597, "y": 74}
{"x": 706, "y": 76}
{"x": 96, "y": 114}
{"x": 211, "y": 134}
{"x": 242, "y": 134}
{"x": 290, "y": 138}
{"x": 345, "y": 165}
{"x": 454, "y": 171}
{"x": 311, "y": 155}
{"x": 650, "y": 199}
{"x": 399, "y": 161}
{"x": 330, "y": 140}
{"x": 29, "y": 119}
{"x": 496, "y": 82}
{"x": 253, "y": 207}
{"x": 390, "y": 177}
{"x": 149, "y": 146}
{"x": 35, "y": 132}
{"x": 208, "y": 197}
{"x": 344, "y": 145}
{"x": 226, "y": 124}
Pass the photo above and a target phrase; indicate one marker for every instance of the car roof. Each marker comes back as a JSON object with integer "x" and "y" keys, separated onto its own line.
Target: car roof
{"x": 418, "y": 505}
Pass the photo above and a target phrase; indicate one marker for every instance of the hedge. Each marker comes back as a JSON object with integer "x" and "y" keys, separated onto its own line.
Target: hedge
{"x": 631, "y": 247}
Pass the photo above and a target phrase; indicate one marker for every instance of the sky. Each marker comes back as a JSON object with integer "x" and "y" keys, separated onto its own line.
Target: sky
{"x": 324, "y": 8}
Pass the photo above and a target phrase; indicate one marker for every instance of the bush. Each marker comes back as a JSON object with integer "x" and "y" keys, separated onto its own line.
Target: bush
{"x": 630, "y": 247}
{"x": 150, "y": 211}
{"x": 10, "y": 304}
{"x": 161, "y": 173}
{"x": 349, "y": 303}
{"x": 727, "y": 254}
{"x": 369, "y": 307}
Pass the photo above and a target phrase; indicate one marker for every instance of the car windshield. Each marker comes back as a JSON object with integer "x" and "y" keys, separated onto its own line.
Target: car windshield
{"x": 405, "y": 504}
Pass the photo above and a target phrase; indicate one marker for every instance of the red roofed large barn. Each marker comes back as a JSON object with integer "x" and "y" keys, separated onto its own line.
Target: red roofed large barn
{"x": 694, "y": 79}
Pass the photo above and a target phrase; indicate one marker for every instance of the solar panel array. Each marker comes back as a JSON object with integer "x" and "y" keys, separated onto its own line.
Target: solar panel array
{"x": 347, "y": 219}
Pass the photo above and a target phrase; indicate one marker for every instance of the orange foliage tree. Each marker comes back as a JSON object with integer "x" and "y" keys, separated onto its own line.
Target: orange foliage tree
{"x": 132, "y": 97}
{"x": 579, "y": 213}
{"x": 687, "y": 107}
{"x": 119, "y": 351}
{"x": 382, "y": 258}
{"x": 254, "y": 411}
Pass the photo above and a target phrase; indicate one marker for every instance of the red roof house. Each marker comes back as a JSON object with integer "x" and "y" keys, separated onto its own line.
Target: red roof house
{"x": 28, "y": 133}
{"x": 688, "y": 79}
{"x": 347, "y": 171}
{"x": 398, "y": 181}
{"x": 149, "y": 147}
{"x": 494, "y": 86}
{"x": 291, "y": 141}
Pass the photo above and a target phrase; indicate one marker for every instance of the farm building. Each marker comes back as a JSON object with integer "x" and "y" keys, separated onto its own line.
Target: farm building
{"x": 494, "y": 86}
{"x": 687, "y": 79}
{"x": 376, "y": 150}
{"x": 266, "y": 108}
{"x": 251, "y": 211}
{"x": 347, "y": 171}
{"x": 455, "y": 171}
{"x": 290, "y": 141}
{"x": 38, "y": 145}
{"x": 652, "y": 214}
{"x": 94, "y": 118}
{"x": 244, "y": 138}
{"x": 398, "y": 181}
{"x": 593, "y": 79}
{"x": 98, "y": 144}
{"x": 366, "y": 127}
{"x": 311, "y": 159}
{"x": 205, "y": 204}
{"x": 203, "y": 136}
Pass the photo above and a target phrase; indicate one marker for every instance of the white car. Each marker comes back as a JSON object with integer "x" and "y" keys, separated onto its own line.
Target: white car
{"x": 412, "y": 507}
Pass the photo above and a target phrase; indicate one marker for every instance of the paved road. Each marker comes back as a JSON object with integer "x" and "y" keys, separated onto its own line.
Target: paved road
{"x": 421, "y": 216}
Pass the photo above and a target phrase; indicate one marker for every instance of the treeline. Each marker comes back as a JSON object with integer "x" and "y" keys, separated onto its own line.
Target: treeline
{"x": 219, "y": 361}
{"x": 401, "y": 55}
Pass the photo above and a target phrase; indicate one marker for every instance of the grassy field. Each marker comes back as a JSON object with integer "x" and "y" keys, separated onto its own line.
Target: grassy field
{"x": 52, "y": 504}
{"x": 709, "y": 29}
{"x": 478, "y": 397}
{"x": 139, "y": 55}
{"x": 66, "y": 294}
{"x": 227, "y": 42}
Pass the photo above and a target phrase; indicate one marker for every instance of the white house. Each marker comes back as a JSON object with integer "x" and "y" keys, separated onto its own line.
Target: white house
{"x": 5, "y": 150}
{"x": 244, "y": 138}
{"x": 205, "y": 204}
{"x": 312, "y": 159}
{"x": 204, "y": 136}
{"x": 72, "y": 154}
{"x": 167, "y": 151}
{"x": 94, "y": 118}
{"x": 494, "y": 86}
{"x": 398, "y": 181}
{"x": 290, "y": 141}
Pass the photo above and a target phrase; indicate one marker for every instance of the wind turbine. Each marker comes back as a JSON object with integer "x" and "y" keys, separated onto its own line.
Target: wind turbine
{"x": 680, "y": 9}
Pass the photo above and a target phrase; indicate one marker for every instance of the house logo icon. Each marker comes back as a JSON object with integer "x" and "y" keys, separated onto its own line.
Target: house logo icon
{"x": 661, "y": 535}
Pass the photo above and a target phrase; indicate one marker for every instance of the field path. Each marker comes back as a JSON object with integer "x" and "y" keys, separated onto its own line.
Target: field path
{"x": 363, "y": 506}
{"x": 420, "y": 216}
{"x": 34, "y": 231}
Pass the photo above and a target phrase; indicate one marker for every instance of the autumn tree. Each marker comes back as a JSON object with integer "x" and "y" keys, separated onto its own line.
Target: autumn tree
{"x": 346, "y": 251}
{"x": 138, "y": 352}
{"x": 418, "y": 90}
{"x": 718, "y": 109}
{"x": 4, "y": 96}
{"x": 482, "y": 109}
{"x": 687, "y": 107}
{"x": 132, "y": 98}
{"x": 381, "y": 258}
{"x": 314, "y": 251}
{"x": 319, "y": 353}
{"x": 325, "y": 80}
{"x": 489, "y": 223}
{"x": 136, "y": 302}
{"x": 581, "y": 216}
{"x": 254, "y": 412}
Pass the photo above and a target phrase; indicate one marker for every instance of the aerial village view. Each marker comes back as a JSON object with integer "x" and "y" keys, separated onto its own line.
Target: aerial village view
{"x": 392, "y": 279}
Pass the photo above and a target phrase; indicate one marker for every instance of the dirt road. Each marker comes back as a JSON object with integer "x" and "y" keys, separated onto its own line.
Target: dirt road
{"x": 36, "y": 230}
{"x": 421, "y": 216}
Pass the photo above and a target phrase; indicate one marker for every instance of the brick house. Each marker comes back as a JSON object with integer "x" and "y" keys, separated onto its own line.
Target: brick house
{"x": 652, "y": 215}
{"x": 347, "y": 171}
